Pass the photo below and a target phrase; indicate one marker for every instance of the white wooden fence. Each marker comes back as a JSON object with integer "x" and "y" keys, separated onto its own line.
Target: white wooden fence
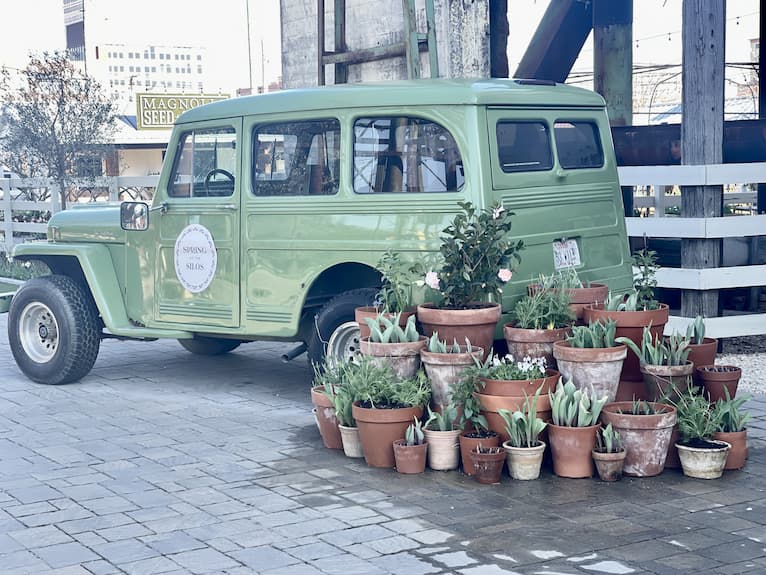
{"x": 655, "y": 179}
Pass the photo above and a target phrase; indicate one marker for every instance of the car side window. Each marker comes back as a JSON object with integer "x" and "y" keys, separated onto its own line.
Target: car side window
{"x": 578, "y": 145}
{"x": 300, "y": 158}
{"x": 523, "y": 146}
{"x": 205, "y": 164}
{"x": 404, "y": 154}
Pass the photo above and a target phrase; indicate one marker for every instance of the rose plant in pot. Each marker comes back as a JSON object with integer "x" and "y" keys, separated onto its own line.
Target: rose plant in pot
{"x": 445, "y": 364}
{"x": 410, "y": 453}
{"x": 524, "y": 449}
{"x": 477, "y": 259}
{"x": 388, "y": 342}
{"x": 732, "y": 428}
{"x": 609, "y": 454}
{"x": 701, "y": 456}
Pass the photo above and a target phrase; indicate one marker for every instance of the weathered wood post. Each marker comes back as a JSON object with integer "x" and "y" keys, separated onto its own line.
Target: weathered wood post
{"x": 704, "y": 28}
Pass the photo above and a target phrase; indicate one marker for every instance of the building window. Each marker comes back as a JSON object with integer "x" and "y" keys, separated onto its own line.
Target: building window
{"x": 199, "y": 69}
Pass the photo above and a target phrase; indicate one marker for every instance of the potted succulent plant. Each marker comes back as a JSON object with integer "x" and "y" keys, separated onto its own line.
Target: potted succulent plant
{"x": 410, "y": 452}
{"x": 478, "y": 257}
{"x": 580, "y": 294}
{"x": 442, "y": 431}
{"x": 732, "y": 428}
{"x": 539, "y": 319}
{"x": 342, "y": 397}
{"x": 572, "y": 433}
{"x": 609, "y": 454}
{"x": 701, "y": 456}
{"x": 524, "y": 449}
{"x": 591, "y": 357}
{"x": 390, "y": 343}
{"x": 445, "y": 364}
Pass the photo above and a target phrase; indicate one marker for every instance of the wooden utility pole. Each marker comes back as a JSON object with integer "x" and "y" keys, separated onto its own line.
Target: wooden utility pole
{"x": 704, "y": 27}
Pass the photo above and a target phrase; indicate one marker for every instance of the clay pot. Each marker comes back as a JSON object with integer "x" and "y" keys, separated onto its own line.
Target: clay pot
{"x": 488, "y": 467}
{"x": 591, "y": 368}
{"x": 702, "y": 354}
{"x": 520, "y": 387}
{"x": 352, "y": 447}
{"x": 443, "y": 455}
{"x": 444, "y": 370}
{"x": 524, "y": 463}
{"x": 326, "y": 420}
{"x": 667, "y": 380}
{"x": 716, "y": 378}
{"x": 672, "y": 461}
{"x": 738, "y": 452}
{"x": 571, "y": 449}
{"x": 630, "y": 324}
{"x": 404, "y": 357}
{"x": 478, "y": 324}
{"x": 467, "y": 444}
{"x": 533, "y": 342}
{"x": 410, "y": 458}
{"x": 704, "y": 462}
{"x": 609, "y": 465}
{"x": 645, "y": 437}
{"x": 379, "y": 428}
{"x": 372, "y": 312}
{"x": 497, "y": 424}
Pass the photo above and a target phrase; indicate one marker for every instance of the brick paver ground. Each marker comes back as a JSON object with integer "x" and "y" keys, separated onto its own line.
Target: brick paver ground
{"x": 164, "y": 462}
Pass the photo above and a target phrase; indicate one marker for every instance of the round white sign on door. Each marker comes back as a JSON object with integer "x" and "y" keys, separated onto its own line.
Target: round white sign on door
{"x": 195, "y": 258}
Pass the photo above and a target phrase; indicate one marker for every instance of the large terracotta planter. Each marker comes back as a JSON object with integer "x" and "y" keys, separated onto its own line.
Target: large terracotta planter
{"x": 645, "y": 437}
{"x": 666, "y": 380}
{"x": 492, "y": 404}
{"x": 595, "y": 293}
{"x": 521, "y": 387}
{"x": 379, "y": 428}
{"x": 533, "y": 342}
{"x": 571, "y": 449}
{"x": 591, "y": 368}
{"x": 326, "y": 420}
{"x": 410, "y": 458}
{"x": 630, "y": 324}
{"x": 444, "y": 450}
{"x": 524, "y": 463}
{"x": 703, "y": 462}
{"x": 738, "y": 452}
{"x": 488, "y": 467}
{"x": 352, "y": 447}
{"x": 444, "y": 371}
{"x": 404, "y": 357}
{"x": 467, "y": 444}
{"x": 716, "y": 378}
{"x": 478, "y": 324}
{"x": 372, "y": 312}
{"x": 702, "y": 354}
{"x": 609, "y": 465}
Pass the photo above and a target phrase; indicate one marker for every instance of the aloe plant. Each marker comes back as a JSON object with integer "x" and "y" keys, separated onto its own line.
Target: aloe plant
{"x": 414, "y": 435}
{"x": 654, "y": 351}
{"x": 572, "y": 407}
{"x": 387, "y": 330}
{"x": 608, "y": 440}
{"x": 436, "y": 345}
{"x": 695, "y": 331}
{"x": 446, "y": 420}
{"x": 594, "y": 335}
{"x": 524, "y": 427}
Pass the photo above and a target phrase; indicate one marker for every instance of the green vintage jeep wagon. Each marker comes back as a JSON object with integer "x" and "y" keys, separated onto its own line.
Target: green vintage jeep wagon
{"x": 271, "y": 212}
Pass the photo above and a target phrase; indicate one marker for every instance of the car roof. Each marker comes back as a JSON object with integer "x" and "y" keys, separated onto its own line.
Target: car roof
{"x": 489, "y": 92}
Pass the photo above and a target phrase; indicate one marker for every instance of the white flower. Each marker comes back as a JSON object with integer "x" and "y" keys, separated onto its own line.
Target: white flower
{"x": 497, "y": 211}
{"x": 432, "y": 280}
{"x": 505, "y": 274}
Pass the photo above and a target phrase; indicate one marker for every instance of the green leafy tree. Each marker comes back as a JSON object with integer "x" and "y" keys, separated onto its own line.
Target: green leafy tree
{"x": 55, "y": 120}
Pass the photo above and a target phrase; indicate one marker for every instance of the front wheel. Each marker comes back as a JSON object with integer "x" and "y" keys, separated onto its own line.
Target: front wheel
{"x": 53, "y": 330}
{"x": 201, "y": 345}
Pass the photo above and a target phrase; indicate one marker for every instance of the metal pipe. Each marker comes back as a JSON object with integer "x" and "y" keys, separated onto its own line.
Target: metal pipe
{"x": 295, "y": 352}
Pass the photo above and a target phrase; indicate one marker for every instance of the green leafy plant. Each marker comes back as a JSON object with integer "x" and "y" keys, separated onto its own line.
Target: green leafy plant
{"x": 572, "y": 407}
{"x": 622, "y": 302}
{"x": 729, "y": 415}
{"x": 696, "y": 420}
{"x": 608, "y": 440}
{"x": 524, "y": 427}
{"x": 645, "y": 282}
{"x": 399, "y": 278}
{"x": 594, "y": 335}
{"x": 446, "y": 420}
{"x": 695, "y": 331}
{"x": 343, "y": 400}
{"x": 478, "y": 256}
{"x": 673, "y": 350}
{"x": 384, "y": 329}
{"x": 414, "y": 435}
{"x": 377, "y": 386}
{"x": 463, "y": 394}
{"x": 544, "y": 308}
{"x": 436, "y": 345}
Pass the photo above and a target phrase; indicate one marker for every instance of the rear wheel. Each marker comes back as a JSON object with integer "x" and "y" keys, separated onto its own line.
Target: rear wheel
{"x": 53, "y": 330}
{"x": 335, "y": 332}
{"x": 201, "y": 345}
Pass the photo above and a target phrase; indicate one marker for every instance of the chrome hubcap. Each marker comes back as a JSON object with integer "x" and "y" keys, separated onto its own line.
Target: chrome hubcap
{"x": 38, "y": 332}
{"x": 344, "y": 342}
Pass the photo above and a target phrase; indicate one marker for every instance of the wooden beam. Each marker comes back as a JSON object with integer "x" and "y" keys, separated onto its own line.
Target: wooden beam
{"x": 704, "y": 27}
{"x": 761, "y": 206}
{"x": 613, "y": 58}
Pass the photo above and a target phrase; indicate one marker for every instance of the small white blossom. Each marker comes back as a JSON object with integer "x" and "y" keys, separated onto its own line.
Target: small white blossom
{"x": 497, "y": 211}
{"x": 432, "y": 280}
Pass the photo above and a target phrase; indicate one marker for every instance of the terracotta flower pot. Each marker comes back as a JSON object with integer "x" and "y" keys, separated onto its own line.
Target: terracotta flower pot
{"x": 533, "y": 342}
{"x": 352, "y": 447}
{"x": 703, "y": 462}
{"x": 571, "y": 449}
{"x": 372, "y": 312}
{"x": 468, "y": 443}
{"x": 521, "y": 387}
{"x": 410, "y": 458}
{"x": 596, "y": 368}
{"x": 672, "y": 461}
{"x": 495, "y": 403}
{"x": 326, "y": 420}
{"x": 379, "y": 428}
{"x": 443, "y": 455}
{"x": 716, "y": 378}
{"x": 488, "y": 467}
{"x": 524, "y": 463}
{"x": 630, "y": 324}
{"x": 609, "y": 465}
{"x": 645, "y": 437}
{"x": 738, "y": 452}
{"x": 477, "y": 324}
{"x": 404, "y": 357}
{"x": 497, "y": 424}
{"x": 444, "y": 371}
{"x": 702, "y": 354}
{"x": 666, "y": 380}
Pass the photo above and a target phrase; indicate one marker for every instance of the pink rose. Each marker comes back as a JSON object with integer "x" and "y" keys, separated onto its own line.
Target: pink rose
{"x": 432, "y": 280}
{"x": 505, "y": 275}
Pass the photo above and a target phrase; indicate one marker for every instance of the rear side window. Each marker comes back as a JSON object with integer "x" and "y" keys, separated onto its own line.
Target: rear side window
{"x": 523, "y": 146}
{"x": 403, "y": 154}
{"x": 578, "y": 145}
{"x": 296, "y": 158}
{"x": 205, "y": 164}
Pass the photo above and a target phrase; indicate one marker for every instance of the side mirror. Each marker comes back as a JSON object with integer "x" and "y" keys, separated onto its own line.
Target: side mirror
{"x": 134, "y": 216}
